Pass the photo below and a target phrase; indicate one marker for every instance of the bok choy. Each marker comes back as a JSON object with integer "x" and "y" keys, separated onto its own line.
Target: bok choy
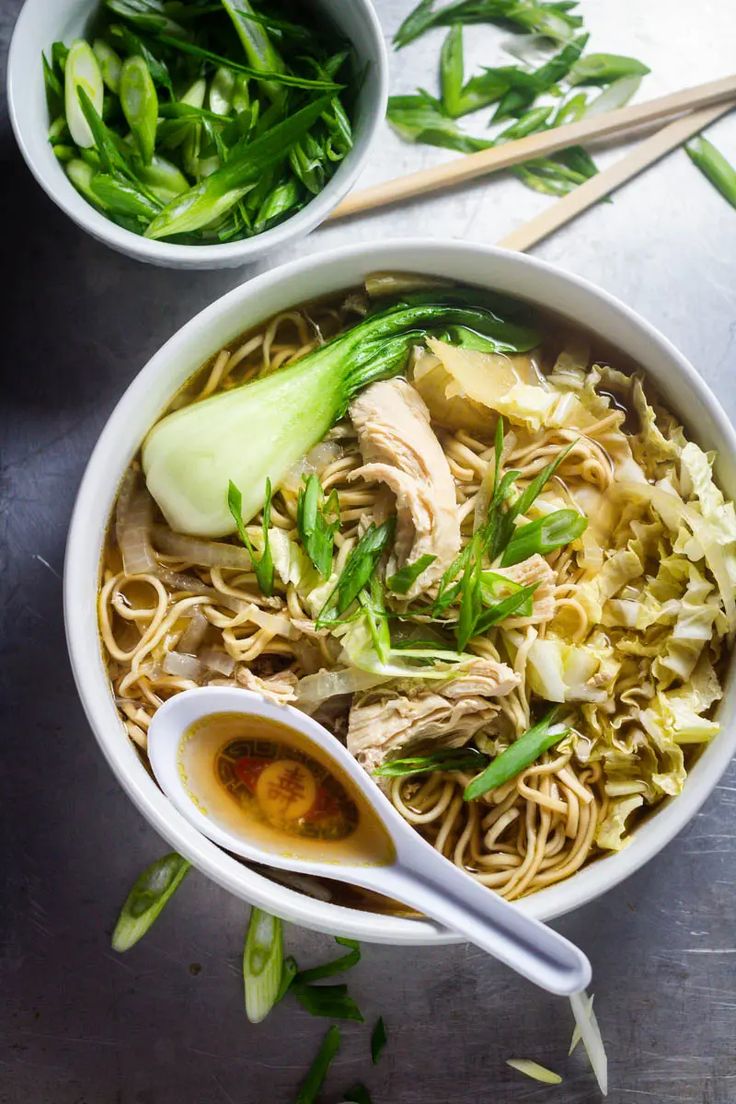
{"x": 260, "y": 430}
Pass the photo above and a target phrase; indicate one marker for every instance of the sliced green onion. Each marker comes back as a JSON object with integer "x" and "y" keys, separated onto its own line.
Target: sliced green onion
{"x": 521, "y": 754}
{"x": 263, "y": 956}
{"x": 451, "y": 71}
{"x": 534, "y": 1070}
{"x": 359, "y": 566}
{"x": 263, "y": 564}
{"x": 378, "y": 1040}
{"x": 544, "y": 535}
{"x": 451, "y": 759}
{"x": 337, "y": 966}
{"x": 332, "y": 1001}
{"x": 82, "y": 73}
{"x": 317, "y": 521}
{"x": 616, "y": 95}
{"x": 139, "y": 102}
{"x": 605, "y": 68}
{"x": 222, "y": 88}
{"x": 407, "y": 575}
{"x": 714, "y": 165}
{"x": 319, "y": 1067}
{"x": 109, "y": 62}
{"x": 123, "y": 198}
{"x": 256, "y": 41}
{"x": 81, "y": 174}
{"x": 151, "y": 891}
{"x": 288, "y": 973}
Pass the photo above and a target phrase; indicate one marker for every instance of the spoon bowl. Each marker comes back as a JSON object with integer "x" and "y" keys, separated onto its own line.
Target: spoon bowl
{"x": 407, "y": 869}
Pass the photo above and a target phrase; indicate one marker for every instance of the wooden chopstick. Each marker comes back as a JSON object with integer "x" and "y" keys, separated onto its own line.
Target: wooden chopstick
{"x": 536, "y": 145}
{"x": 585, "y": 195}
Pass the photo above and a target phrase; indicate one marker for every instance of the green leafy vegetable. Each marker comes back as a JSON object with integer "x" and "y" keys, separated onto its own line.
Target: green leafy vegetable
{"x": 407, "y": 575}
{"x": 139, "y": 102}
{"x": 337, "y": 966}
{"x": 318, "y": 1070}
{"x": 263, "y": 564}
{"x": 544, "y": 535}
{"x": 378, "y": 1040}
{"x": 449, "y": 759}
{"x": 419, "y": 118}
{"x": 260, "y": 430}
{"x": 552, "y": 20}
{"x": 332, "y": 1001}
{"x": 359, "y": 566}
{"x": 82, "y": 75}
{"x": 605, "y": 68}
{"x": 519, "y": 755}
{"x": 451, "y": 71}
{"x": 263, "y": 956}
{"x": 215, "y": 196}
{"x": 151, "y": 891}
{"x": 317, "y": 521}
{"x": 714, "y": 165}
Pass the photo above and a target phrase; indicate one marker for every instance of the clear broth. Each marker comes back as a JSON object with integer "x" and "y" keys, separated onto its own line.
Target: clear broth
{"x": 268, "y": 783}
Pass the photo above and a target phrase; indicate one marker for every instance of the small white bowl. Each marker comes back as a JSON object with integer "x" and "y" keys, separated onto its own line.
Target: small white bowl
{"x": 42, "y": 22}
{"x": 147, "y": 397}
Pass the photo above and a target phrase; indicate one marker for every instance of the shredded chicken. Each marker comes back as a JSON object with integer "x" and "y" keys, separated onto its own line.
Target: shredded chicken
{"x": 401, "y": 450}
{"x": 534, "y": 570}
{"x": 384, "y": 722}
{"x": 279, "y": 689}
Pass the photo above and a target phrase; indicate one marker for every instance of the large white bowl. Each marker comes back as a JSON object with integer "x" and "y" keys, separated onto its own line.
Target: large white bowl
{"x": 42, "y": 22}
{"x": 148, "y": 396}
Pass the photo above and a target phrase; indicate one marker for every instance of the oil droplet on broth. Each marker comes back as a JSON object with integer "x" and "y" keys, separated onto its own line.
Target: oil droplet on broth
{"x": 271, "y": 785}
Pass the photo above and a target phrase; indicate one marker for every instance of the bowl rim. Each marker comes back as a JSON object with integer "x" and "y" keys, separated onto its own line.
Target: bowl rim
{"x": 580, "y": 888}
{"x": 226, "y": 254}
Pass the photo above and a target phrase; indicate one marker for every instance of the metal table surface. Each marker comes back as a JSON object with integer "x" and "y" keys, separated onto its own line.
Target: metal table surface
{"x": 165, "y": 1023}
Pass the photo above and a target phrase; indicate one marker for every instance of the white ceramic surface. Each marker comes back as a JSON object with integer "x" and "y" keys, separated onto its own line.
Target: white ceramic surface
{"x": 42, "y": 22}
{"x": 416, "y": 874}
{"x": 147, "y": 397}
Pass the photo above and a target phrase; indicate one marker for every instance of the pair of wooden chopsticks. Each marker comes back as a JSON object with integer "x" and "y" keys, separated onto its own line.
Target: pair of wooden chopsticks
{"x": 697, "y": 107}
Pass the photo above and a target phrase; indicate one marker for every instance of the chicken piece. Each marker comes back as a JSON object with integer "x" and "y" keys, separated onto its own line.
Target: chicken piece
{"x": 384, "y": 722}
{"x": 534, "y": 570}
{"x": 401, "y": 450}
{"x": 279, "y": 689}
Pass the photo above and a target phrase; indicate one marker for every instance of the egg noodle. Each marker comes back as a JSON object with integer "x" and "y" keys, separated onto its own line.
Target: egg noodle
{"x": 626, "y": 632}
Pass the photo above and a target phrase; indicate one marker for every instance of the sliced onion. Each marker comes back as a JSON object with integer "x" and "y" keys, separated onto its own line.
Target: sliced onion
{"x": 133, "y": 518}
{"x": 215, "y": 659}
{"x": 192, "y": 585}
{"x": 194, "y": 550}
{"x": 277, "y": 623}
{"x": 312, "y": 690}
{"x": 184, "y": 666}
{"x": 590, "y": 1033}
{"x": 324, "y": 453}
{"x": 193, "y": 635}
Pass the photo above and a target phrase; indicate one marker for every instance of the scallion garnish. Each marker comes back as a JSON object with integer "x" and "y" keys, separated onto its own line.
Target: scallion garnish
{"x": 378, "y": 1040}
{"x": 317, "y": 521}
{"x": 359, "y": 566}
{"x": 544, "y": 535}
{"x": 519, "y": 755}
{"x": 337, "y": 966}
{"x": 714, "y": 165}
{"x": 407, "y": 575}
{"x": 450, "y": 759}
{"x": 263, "y": 564}
{"x": 332, "y": 1001}
{"x": 318, "y": 1070}
{"x": 263, "y": 957}
{"x": 150, "y": 893}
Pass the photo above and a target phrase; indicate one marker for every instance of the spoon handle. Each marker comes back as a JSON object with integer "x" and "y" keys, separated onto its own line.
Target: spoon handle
{"x": 430, "y": 883}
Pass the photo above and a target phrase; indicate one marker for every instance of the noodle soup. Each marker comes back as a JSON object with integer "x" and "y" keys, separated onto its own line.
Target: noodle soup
{"x": 543, "y": 535}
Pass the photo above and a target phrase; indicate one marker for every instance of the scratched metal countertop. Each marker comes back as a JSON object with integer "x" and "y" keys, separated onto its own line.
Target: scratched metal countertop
{"x": 165, "y": 1023}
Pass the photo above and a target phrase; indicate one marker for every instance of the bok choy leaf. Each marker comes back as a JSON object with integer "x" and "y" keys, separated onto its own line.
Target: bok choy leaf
{"x": 260, "y": 430}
